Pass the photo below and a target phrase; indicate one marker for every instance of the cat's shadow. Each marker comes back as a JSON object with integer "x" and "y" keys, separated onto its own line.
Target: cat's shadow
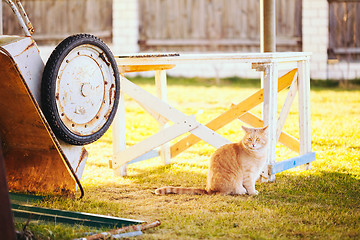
{"x": 317, "y": 188}
{"x": 169, "y": 175}
{"x": 322, "y": 188}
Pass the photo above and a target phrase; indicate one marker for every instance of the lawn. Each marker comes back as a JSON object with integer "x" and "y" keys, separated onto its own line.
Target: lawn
{"x": 321, "y": 203}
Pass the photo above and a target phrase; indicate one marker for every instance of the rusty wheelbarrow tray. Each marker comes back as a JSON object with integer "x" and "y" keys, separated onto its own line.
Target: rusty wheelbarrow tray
{"x": 35, "y": 161}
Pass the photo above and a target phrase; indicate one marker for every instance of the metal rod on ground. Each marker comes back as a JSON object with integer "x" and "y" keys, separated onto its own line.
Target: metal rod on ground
{"x": 127, "y": 235}
{"x": 134, "y": 228}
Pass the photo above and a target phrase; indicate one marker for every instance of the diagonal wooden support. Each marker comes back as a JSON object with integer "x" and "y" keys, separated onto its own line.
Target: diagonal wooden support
{"x": 168, "y": 112}
{"x": 286, "y": 107}
{"x": 160, "y": 119}
{"x": 151, "y": 102}
{"x": 183, "y": 124}
{"x": 156, "y": 140}
{"x": 233, "y": 113}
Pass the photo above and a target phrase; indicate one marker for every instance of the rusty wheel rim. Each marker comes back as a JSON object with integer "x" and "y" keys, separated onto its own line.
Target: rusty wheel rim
{"x": 85, "y": 90}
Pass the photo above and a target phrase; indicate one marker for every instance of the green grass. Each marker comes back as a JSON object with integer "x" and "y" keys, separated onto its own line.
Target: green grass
{"x": 322, "y": 203}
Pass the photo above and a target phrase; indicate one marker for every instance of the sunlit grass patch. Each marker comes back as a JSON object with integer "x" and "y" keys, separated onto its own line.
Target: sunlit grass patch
{"x": 321, "y": 203}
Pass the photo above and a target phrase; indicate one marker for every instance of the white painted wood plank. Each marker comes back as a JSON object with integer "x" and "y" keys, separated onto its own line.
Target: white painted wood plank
{"x": 161, "y": 84}
{"x": 270, "y": 110}
{"x": 286, "y": 107}
{"x": 154, "y": 59}
{"x": 161, "y": 89}
{"x": 292, "y": 162}
{"x": 281, "y": 66}
{"x": 209, "y": 136}
{"x": 304, "y": 108}
{"x": 160, "y": 119}
{"x": 150, "y": 101}
{"x": 119, "y": 137}
{"x": 145, "y": 156}
{"x": 286, "y": 65}
{"x": 308, "y": 106}
{"x": 154, "y": 141}
{"x": 167, "y": 111}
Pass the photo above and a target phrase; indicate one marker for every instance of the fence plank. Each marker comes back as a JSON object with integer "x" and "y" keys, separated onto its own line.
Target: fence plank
{"x": 180, "y": 24}
{"x": 344, "y": 33}
{"x": 55, "y": 20}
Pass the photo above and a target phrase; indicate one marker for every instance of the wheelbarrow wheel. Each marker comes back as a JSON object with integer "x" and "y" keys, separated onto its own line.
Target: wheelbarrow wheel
{"x": 80, "y": 89}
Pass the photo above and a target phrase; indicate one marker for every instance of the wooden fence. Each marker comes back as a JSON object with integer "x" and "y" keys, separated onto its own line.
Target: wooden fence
{"x": 344, "y": 30}
{"x": 215, "y": 25}
{"x": 55, "y": 20}
{"x": 191, "y": 25}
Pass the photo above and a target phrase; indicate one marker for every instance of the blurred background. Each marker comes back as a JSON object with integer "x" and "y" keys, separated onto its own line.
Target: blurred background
{"x": 330, "y": 29}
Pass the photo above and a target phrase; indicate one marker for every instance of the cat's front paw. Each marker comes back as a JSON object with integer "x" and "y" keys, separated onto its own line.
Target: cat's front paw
{"x": 241, "y": 191}
{"x": 254, "y": 193}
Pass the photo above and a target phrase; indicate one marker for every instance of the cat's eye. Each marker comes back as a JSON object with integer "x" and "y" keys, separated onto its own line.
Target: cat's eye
{"x": 249, "y": 139}
{"x": 257, "y": 139}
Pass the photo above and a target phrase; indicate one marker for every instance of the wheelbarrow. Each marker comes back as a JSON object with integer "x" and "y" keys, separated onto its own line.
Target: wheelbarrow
{"x": 48, "y": 112}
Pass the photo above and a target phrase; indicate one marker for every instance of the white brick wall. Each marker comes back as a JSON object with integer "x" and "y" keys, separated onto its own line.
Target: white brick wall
{"x": 316, "y": 40}
{"x": 125, "y": 27}
{"x": 315, "y": 35}
{"x": 343, "y": 70}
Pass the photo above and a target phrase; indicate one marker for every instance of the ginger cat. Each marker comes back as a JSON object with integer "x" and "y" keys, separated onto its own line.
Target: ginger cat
{"x": 234, "y": 168}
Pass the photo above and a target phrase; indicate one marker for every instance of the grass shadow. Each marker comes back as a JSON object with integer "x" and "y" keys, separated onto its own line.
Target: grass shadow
{"x": 172, "y": 174}
{"x": 306, "y": 205}
{"x": 320, "y": 190}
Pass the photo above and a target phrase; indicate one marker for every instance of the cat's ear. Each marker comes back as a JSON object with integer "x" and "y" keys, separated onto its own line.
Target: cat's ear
{"x": 245, "y": 129}
{"x": 265, "y": 128}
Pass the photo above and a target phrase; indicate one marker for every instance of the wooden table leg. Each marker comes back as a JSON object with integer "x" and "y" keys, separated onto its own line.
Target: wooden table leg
{"x": 119, "y": 136}
{"x": 304, "y": 109}
{"x": 270, "y": 110}
{"x": 161, "y": 88}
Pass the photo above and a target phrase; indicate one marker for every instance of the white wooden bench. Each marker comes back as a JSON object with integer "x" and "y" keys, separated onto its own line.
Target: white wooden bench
{"x": 297, "y": 79}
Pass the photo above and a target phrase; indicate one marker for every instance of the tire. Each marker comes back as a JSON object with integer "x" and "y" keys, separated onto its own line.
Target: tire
{"x": 80, "y": 89}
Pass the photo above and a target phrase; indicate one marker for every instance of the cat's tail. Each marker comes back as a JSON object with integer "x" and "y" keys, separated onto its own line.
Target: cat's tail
{"x": 180, "y": 190}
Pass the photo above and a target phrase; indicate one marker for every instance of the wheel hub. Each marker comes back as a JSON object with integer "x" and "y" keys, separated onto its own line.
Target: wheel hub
{"x": 80, "y": 89}
{"x": 84, "y": 99}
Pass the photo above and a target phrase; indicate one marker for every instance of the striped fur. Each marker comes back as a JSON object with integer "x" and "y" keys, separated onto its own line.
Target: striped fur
{"x": 233, "y": 168}
{"x": 180, "y": 190}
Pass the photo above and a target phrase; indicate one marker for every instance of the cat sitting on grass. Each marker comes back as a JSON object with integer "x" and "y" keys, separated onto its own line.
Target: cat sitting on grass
{"x": 234, "y": 168}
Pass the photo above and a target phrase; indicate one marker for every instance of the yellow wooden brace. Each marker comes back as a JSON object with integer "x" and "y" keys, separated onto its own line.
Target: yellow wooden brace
{"x": 232, "y": 114}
